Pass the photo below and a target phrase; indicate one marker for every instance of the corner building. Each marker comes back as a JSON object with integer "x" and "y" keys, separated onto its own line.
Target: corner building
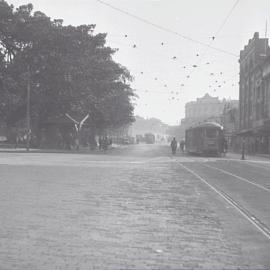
{"x": 254, "y": 95}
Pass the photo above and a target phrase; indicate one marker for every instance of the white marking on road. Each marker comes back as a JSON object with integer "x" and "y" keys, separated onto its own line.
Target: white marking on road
{"x": 263, "y": 231}
{"x": 238, "y": 177}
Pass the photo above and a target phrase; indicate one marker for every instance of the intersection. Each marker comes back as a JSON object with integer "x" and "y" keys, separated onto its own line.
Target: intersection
{"x": 136, "y": 207}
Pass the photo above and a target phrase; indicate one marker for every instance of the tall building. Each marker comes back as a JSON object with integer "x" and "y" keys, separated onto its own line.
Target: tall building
{"x": 254, "y": 94}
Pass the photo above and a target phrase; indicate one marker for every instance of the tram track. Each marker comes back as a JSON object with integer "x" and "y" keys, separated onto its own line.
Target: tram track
{"x": 257, "y": 164}
{"x": 238, "y": 177}
{"x": 255, "y": 221}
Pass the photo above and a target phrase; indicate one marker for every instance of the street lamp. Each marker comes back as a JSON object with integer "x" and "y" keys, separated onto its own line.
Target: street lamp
{"x": 28, "y": 117}
{"x": 243, "y": 148}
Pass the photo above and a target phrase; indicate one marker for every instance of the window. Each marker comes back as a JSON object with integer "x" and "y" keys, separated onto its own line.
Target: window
{"x": 211, "y": 133}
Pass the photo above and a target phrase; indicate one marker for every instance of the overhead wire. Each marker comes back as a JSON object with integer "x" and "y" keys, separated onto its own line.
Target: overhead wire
{"x": 165, "y": 29}
{"x": 207, "y": 45}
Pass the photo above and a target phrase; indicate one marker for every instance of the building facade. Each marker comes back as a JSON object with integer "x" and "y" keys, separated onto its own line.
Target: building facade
{"x": 206, "y": 108}
{"x": 254, "y": 95}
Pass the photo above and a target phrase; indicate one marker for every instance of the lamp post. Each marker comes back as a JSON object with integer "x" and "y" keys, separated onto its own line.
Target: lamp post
{"x": 243, "y": 149}
{"x": 28, "y": 120}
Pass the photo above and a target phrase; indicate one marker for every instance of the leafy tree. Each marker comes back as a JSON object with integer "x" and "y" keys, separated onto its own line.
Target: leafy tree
{"x": 71, "y": 71}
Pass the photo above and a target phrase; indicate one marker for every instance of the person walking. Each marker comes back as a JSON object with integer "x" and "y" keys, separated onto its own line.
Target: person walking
{"x": 182, "y": 145}
{"x": 225, "y": 147}
{"x": 100, "y": 143}
{"x": 174, "y": 145}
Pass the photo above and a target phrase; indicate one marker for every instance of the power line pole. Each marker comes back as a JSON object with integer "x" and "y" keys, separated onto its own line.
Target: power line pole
{"x": 28, "y": 108}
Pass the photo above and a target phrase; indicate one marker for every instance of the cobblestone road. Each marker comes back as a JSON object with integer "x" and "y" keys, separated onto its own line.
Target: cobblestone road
{"x": 133, "y": 208}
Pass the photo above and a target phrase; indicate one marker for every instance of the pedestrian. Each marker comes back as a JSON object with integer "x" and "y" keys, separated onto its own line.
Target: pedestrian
{"x": 243, "y": 148}
{"x": 182, "y": 145}
{"x": 225, "y": 147}
{"x": 105, "y": 143}
{"x": 100, "y": 143}
{"x": 110, "y": 141}
{"x": 17, "y": 140}
{"x": 174, "y": 145}
{"x": 77, "y": 142}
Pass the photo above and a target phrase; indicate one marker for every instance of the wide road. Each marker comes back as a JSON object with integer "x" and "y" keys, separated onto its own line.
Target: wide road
{"x": 136, "y": 207}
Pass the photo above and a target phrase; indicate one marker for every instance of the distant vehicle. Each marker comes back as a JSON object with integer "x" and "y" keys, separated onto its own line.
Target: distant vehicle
{"x": 139, "y": 138}
{"x": 125, "y": 141}
{"x": 205, "y": 139}
{"x": 149, "y": 138}
{"x": 3, "y": 138}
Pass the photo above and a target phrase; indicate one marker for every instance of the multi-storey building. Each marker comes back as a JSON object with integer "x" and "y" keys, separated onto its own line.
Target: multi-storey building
{"x": 205, "y": 108}
{"x": 254, "y": 94}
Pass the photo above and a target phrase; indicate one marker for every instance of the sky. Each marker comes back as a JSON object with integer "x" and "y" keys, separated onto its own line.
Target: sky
{"x": 168, "y": 44}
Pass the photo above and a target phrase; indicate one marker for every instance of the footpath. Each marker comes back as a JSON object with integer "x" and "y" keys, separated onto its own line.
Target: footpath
{"x": 249, "y": 157}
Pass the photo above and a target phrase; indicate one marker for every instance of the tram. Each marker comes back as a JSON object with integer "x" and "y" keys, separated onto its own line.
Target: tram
{"x": 149, "y": 138}
{"x": 205, "y": 139}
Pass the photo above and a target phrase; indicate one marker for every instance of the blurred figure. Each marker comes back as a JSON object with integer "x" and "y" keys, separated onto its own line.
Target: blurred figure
{"x": 105, "y": 143}
{"x": 17, "y": 140}
{"x": 182, "y": 145}
{"x": 174, "y": 145}
{"x": 100, "y": 143}
{"x": 225, "y": 147}
{"x": 77, "y": 142}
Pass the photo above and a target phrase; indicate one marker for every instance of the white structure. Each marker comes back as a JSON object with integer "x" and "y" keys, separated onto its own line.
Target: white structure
{"x": 205, "y": 108}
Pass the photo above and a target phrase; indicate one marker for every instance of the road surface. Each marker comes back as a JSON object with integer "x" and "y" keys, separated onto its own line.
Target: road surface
{"x": 136, "y": 207}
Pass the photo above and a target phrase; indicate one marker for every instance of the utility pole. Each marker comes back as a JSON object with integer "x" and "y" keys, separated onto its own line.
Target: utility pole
{"x": 243, "y": 148}
{"x": 28, "y": 108}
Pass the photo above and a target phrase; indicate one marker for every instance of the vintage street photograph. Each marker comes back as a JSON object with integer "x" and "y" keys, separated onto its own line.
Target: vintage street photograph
{"x": 134, "y": 135}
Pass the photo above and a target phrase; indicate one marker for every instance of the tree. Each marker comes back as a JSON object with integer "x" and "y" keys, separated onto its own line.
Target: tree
{"x": 71, "y": 71}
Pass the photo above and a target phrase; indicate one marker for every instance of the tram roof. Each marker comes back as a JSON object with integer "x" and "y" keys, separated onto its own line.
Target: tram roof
{"x": 207, "y": 124}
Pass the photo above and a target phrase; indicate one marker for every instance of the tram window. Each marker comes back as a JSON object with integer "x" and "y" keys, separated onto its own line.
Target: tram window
{"x": 211, "y": 133}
